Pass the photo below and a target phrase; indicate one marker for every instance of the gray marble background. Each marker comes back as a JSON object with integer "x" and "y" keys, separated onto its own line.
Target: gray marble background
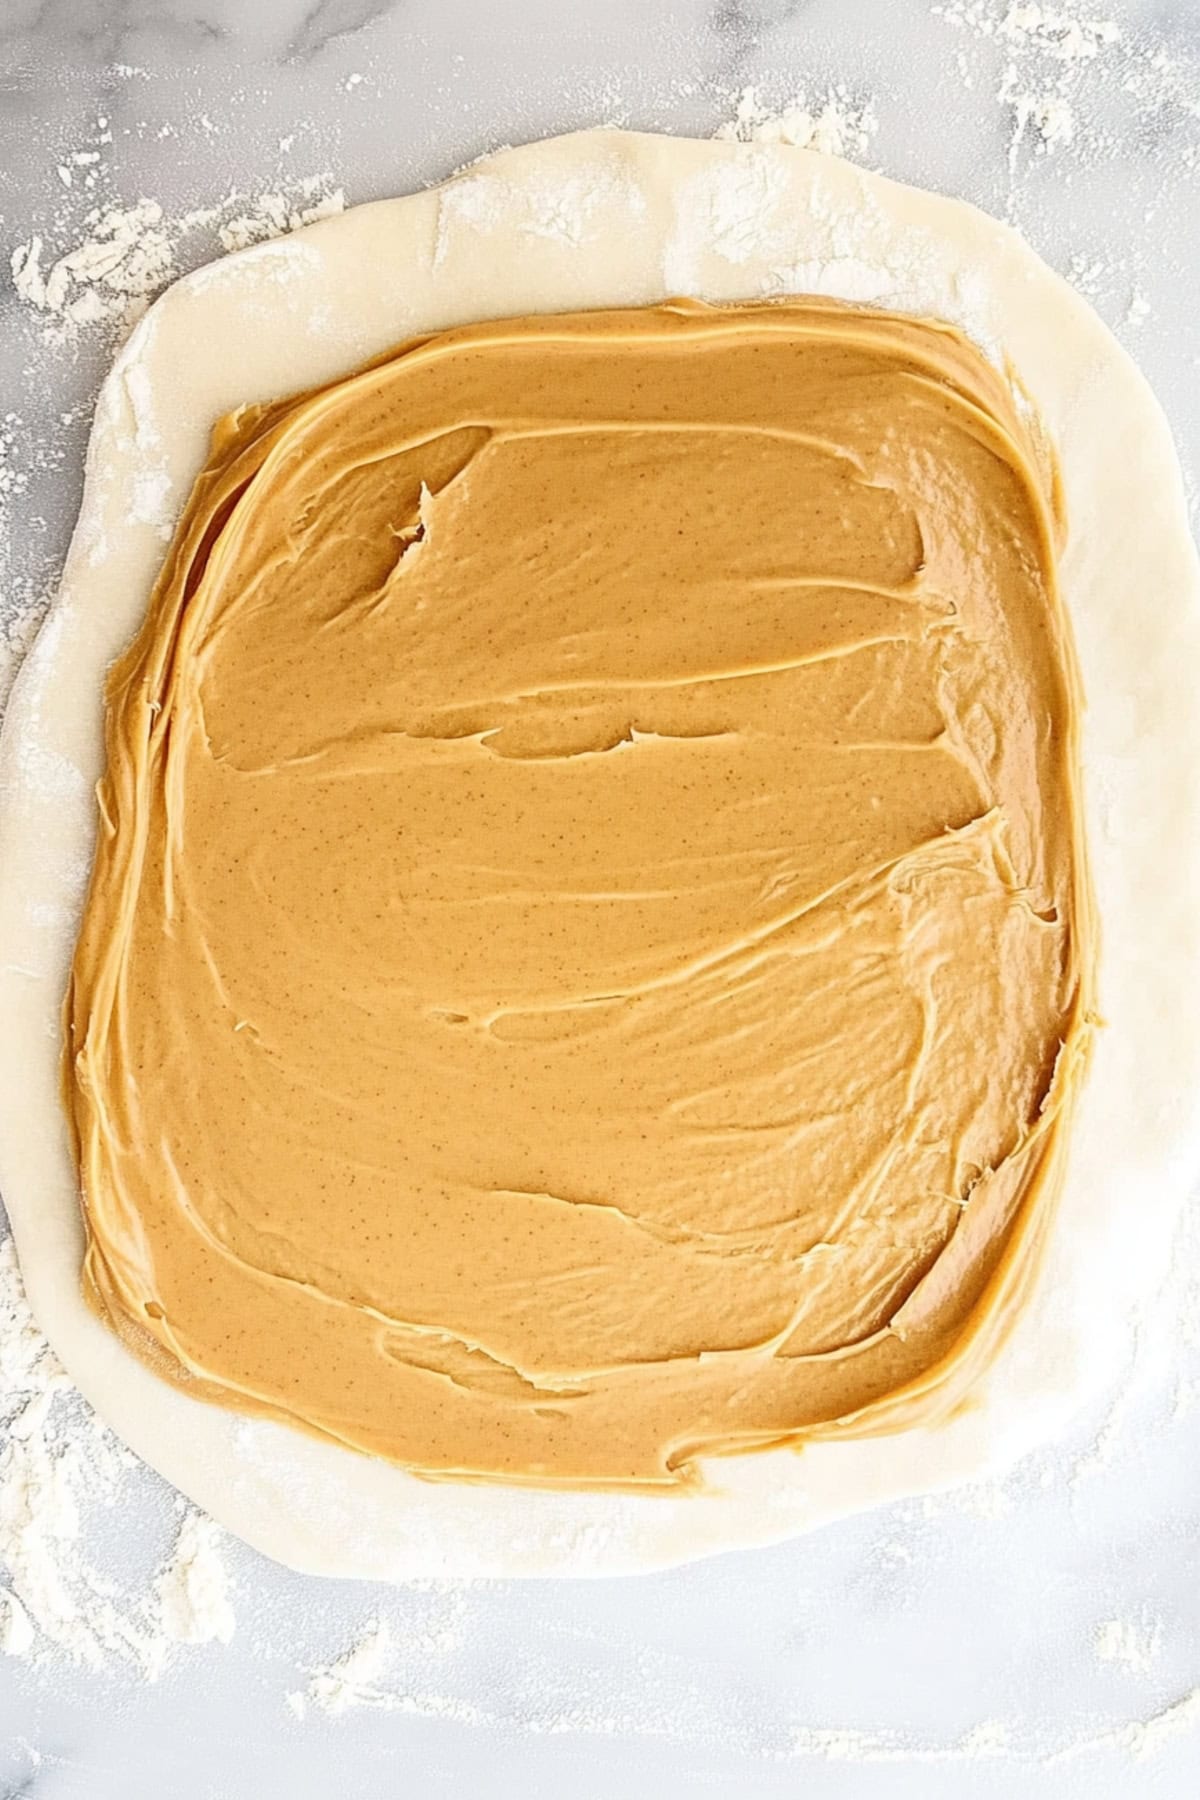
{"x": 909, "y": 1629}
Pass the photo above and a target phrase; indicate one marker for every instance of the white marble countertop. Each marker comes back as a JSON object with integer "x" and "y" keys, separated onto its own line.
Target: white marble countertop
{"x": 1025, "y": 1638}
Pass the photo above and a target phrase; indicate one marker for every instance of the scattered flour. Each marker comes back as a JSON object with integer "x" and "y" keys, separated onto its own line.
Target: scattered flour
{"x": 1047, "y": 115}
{"x": 1064, "y": 36}
{"x": 380, "y": 1671}
{"x": 1046, "y": 81}
{"x": 837, "y": 123}
{"x": 271, "y": 215}
{"x": 125, "y": 255}
{"x": 1143, "y": 1737}
{"x": 387, "y": 1668}
{"x": 1140, "y": 1737}
{"x": 563, "y": 211}
{"x": 63, "y": 1478}
{"x": 193, "y": 1587}
{"x": 1085, "y": 91}
{"x": 1060, "y": 32}
{"x": 355, "y": 1677}
{"x": 1132, "y": 1644}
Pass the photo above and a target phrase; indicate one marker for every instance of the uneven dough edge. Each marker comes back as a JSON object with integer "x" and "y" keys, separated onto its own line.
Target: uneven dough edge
{"x": 598, "y": 219}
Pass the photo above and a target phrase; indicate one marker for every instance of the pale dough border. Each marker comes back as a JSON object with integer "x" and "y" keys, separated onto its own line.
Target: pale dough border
{"x": 605, "y": 219}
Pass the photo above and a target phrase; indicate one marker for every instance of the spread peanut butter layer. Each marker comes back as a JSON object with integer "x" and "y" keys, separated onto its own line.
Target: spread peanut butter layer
{"x": 588, "y": 962}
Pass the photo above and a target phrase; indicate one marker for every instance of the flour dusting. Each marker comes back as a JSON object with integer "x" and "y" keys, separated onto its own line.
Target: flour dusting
{"x": 387, "y": 1667}
{"x": 356, "y": 1678}
{"x": 192, "y": 1588}
{"x": 837, "y": 122}
{"x": 63, "y": 1478}
{"x": 1072, "y": 80}
{"x": 1140, "y": 1738}
{"x": 272, "y": 215}
{"x": 125, "y": 255}
{"x": 1132, "y": 1644}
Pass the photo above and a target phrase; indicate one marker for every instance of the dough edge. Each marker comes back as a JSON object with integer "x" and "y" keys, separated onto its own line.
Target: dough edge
{"x": 602, "y": 219}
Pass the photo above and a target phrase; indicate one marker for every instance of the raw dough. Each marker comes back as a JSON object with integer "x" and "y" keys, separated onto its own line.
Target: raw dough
{"x": 636, "y": 219}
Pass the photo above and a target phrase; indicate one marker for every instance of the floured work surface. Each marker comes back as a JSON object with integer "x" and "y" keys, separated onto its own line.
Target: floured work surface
{"x": 589, "y": 956}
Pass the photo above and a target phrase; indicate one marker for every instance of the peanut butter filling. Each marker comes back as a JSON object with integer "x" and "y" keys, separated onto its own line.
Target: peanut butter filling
{"x": 588, "y": 958}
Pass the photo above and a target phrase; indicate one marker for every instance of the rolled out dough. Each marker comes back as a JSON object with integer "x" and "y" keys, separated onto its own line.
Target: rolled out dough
{"x": 616, "y": 219}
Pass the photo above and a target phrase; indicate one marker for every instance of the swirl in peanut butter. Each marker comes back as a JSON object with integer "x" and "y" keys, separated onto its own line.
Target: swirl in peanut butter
{"x": 588, "y": 962}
